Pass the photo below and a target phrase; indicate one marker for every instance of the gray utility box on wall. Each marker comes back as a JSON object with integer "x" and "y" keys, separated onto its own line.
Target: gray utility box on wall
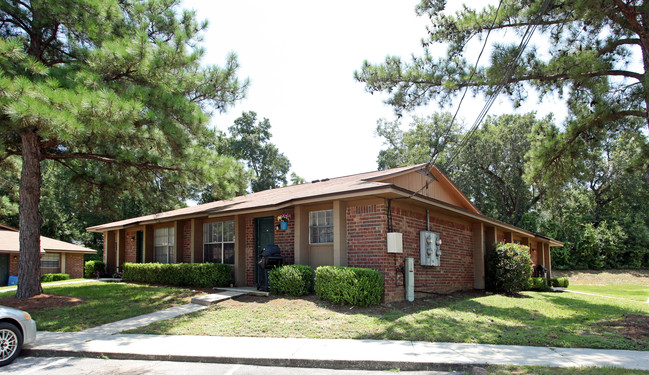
{"x": 430, "y": 248}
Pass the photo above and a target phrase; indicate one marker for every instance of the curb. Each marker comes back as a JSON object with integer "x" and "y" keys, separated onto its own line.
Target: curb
{"x": 271, "y": 362}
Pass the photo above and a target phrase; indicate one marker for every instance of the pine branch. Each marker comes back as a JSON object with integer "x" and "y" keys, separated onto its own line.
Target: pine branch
{"x": 608, "y": 117}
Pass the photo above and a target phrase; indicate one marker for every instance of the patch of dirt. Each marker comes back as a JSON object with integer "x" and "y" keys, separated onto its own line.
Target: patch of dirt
{"x": 40, "y": 302}
{"x": 634, "y": 327}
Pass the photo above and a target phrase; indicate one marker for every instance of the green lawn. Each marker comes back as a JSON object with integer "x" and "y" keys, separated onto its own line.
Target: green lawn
{"x": 538, "y": 319}
{"x": 104, "y": 303}
{"x": 544, "y": 370}
{"x": 628, "y": 291}
{"x": 13, "y": 287}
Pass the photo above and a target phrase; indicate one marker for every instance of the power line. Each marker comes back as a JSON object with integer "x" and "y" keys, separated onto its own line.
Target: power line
{"x": 531, "y": 28}
{"x": 466, "y": 89}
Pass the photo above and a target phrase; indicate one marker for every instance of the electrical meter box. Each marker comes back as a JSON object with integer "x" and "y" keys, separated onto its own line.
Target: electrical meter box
{"x": 430, "y": 244}
{"x": 395, "y": 242}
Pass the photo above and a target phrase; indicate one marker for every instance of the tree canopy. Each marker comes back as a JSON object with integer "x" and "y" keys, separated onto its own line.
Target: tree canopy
{"x": 250, "y": 142}
{"x": 594, "y": 55}
{"x": 114, "y": 92}
{"x": 489, "y": 170}
{"x": 601, "y": 214}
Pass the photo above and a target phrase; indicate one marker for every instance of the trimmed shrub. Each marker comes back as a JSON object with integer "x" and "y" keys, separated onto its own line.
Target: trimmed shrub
{"x": 48, "y": 277}
{"x": 180, "y": 274}
{"x": 538, "y": 284}
{"x": 91, "y": 267}
{"x": 509, "y": 267}
{"x": 294, "y": 280}
{"x": 559, "y": 282}
{"x": 349, "y": 285}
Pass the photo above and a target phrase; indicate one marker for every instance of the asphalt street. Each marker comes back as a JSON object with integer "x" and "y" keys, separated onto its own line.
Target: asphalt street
{"x": 90, "y": 366}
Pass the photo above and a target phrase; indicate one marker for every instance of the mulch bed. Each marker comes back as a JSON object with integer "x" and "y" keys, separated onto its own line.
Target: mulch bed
{"x": 40, "y": 302}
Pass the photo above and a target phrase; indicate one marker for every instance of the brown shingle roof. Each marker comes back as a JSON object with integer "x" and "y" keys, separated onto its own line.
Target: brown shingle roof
{"x": 9, "y": 243}
{"x": 273, "y": 197}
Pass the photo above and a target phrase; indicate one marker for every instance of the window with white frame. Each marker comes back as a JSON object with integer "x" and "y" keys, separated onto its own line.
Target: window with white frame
{"x": 51, "y": 263}
{"x": 164, "y": 249}
{"x": 218, "y": 242}
{"x": 321, "y": 226}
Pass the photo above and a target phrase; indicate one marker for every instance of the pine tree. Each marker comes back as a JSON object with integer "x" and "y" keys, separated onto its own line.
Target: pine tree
{"x": 112, "y": 90}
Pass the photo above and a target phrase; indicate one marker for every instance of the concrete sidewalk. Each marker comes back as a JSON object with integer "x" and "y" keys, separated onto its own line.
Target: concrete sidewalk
{"x": 105, "y": 340}
{"x": 325, "y": 353}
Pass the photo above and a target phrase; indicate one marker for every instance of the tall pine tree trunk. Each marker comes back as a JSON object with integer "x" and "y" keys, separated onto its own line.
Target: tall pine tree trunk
{"x": 29, "y": 264}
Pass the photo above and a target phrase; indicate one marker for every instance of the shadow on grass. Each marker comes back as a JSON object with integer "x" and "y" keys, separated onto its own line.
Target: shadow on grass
{"x": 106, "y": 303}
{"x": 538, "y": 319}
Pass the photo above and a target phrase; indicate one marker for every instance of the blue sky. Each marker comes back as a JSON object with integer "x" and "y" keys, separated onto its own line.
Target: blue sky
{"x": 300, "y": 57}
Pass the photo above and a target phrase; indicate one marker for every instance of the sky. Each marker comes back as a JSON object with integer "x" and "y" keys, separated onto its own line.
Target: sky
{"x": 300, "y": 57}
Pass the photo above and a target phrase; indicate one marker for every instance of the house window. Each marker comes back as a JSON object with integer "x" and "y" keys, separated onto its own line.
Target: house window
{"x": 218, "y": 242}
{"x": 164, "y": 250}
{"x": 321, "y": 226}
{"x": 51, "y": 263}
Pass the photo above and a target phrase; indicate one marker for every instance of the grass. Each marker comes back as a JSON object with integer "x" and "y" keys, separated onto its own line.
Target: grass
{"x": 13, "y": 287}
{"x": 544, "y": 370}
{"x": 538, "y": 319}
{"x": 628, "y": 284}
{"x": 104, "y": 303}
{"x": 627, "y": 291}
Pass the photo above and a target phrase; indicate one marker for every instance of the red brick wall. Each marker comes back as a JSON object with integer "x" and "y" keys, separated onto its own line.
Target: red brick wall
{"x": 187, "y": 242}
{"x": 367, "y": 243}
{"x": 456, "y": 263}
{"x": 250, "y": 252}
{"x": 74, "y": 265}
{"x": 131, "y": 247}
{"x": 285, "y": 239}
{"x": 366, "y": 246}
{"x": 13, "y": 264}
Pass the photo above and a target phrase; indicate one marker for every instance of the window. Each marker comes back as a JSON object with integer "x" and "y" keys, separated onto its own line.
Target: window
{"x": 218, "y": 242}
{"x": 51, "y": 263}
{"x": 164, "y": 250}
{"x": 321, "y": 226}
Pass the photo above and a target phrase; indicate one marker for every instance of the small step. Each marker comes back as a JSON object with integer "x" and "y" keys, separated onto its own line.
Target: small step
{"x": 244, "y": 290}
{"x": 209, "y": 299}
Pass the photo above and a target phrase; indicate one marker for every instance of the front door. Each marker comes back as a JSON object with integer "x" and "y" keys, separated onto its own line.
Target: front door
{"x": 139, "y": 246}
{"x": 264, "y": 235}
{"x": 4, "y": 269}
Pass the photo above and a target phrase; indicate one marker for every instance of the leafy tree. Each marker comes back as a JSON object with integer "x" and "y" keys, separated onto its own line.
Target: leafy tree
{"x": 296, "y": 180}
{"x": 595, "y": 56}
{"x": 602, "y": 216}
{"x": 489, "y": 169}
{"x": 113, "y": 91}
{"x": 250, "y": 142}
{"x": 426, "y": 136}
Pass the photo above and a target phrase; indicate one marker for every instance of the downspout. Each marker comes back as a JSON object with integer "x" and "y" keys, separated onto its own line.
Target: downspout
{"x": 427, "y": 221}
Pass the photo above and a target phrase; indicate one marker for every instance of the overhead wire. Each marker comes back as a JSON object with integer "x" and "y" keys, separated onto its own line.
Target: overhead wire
{"x": 527, "y": 36}
{"x": 525, "y": 39}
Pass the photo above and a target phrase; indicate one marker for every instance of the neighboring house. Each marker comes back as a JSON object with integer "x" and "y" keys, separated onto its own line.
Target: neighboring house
{"x": 56, "y": 256}
{"x": 341, "y": 221}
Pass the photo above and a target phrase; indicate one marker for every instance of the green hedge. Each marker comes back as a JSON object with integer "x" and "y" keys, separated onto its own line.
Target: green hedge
{"x": 294, "y": 280}
{"x": 559, "y": 282}
{"x": 349, "y": 285}
{"x": 509, "y": 267}
{"x": 180, "y": 274}
{"x": 91, "y": 267}
{"x": 538, "y": 284}
{"x": 48, "y": 277}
